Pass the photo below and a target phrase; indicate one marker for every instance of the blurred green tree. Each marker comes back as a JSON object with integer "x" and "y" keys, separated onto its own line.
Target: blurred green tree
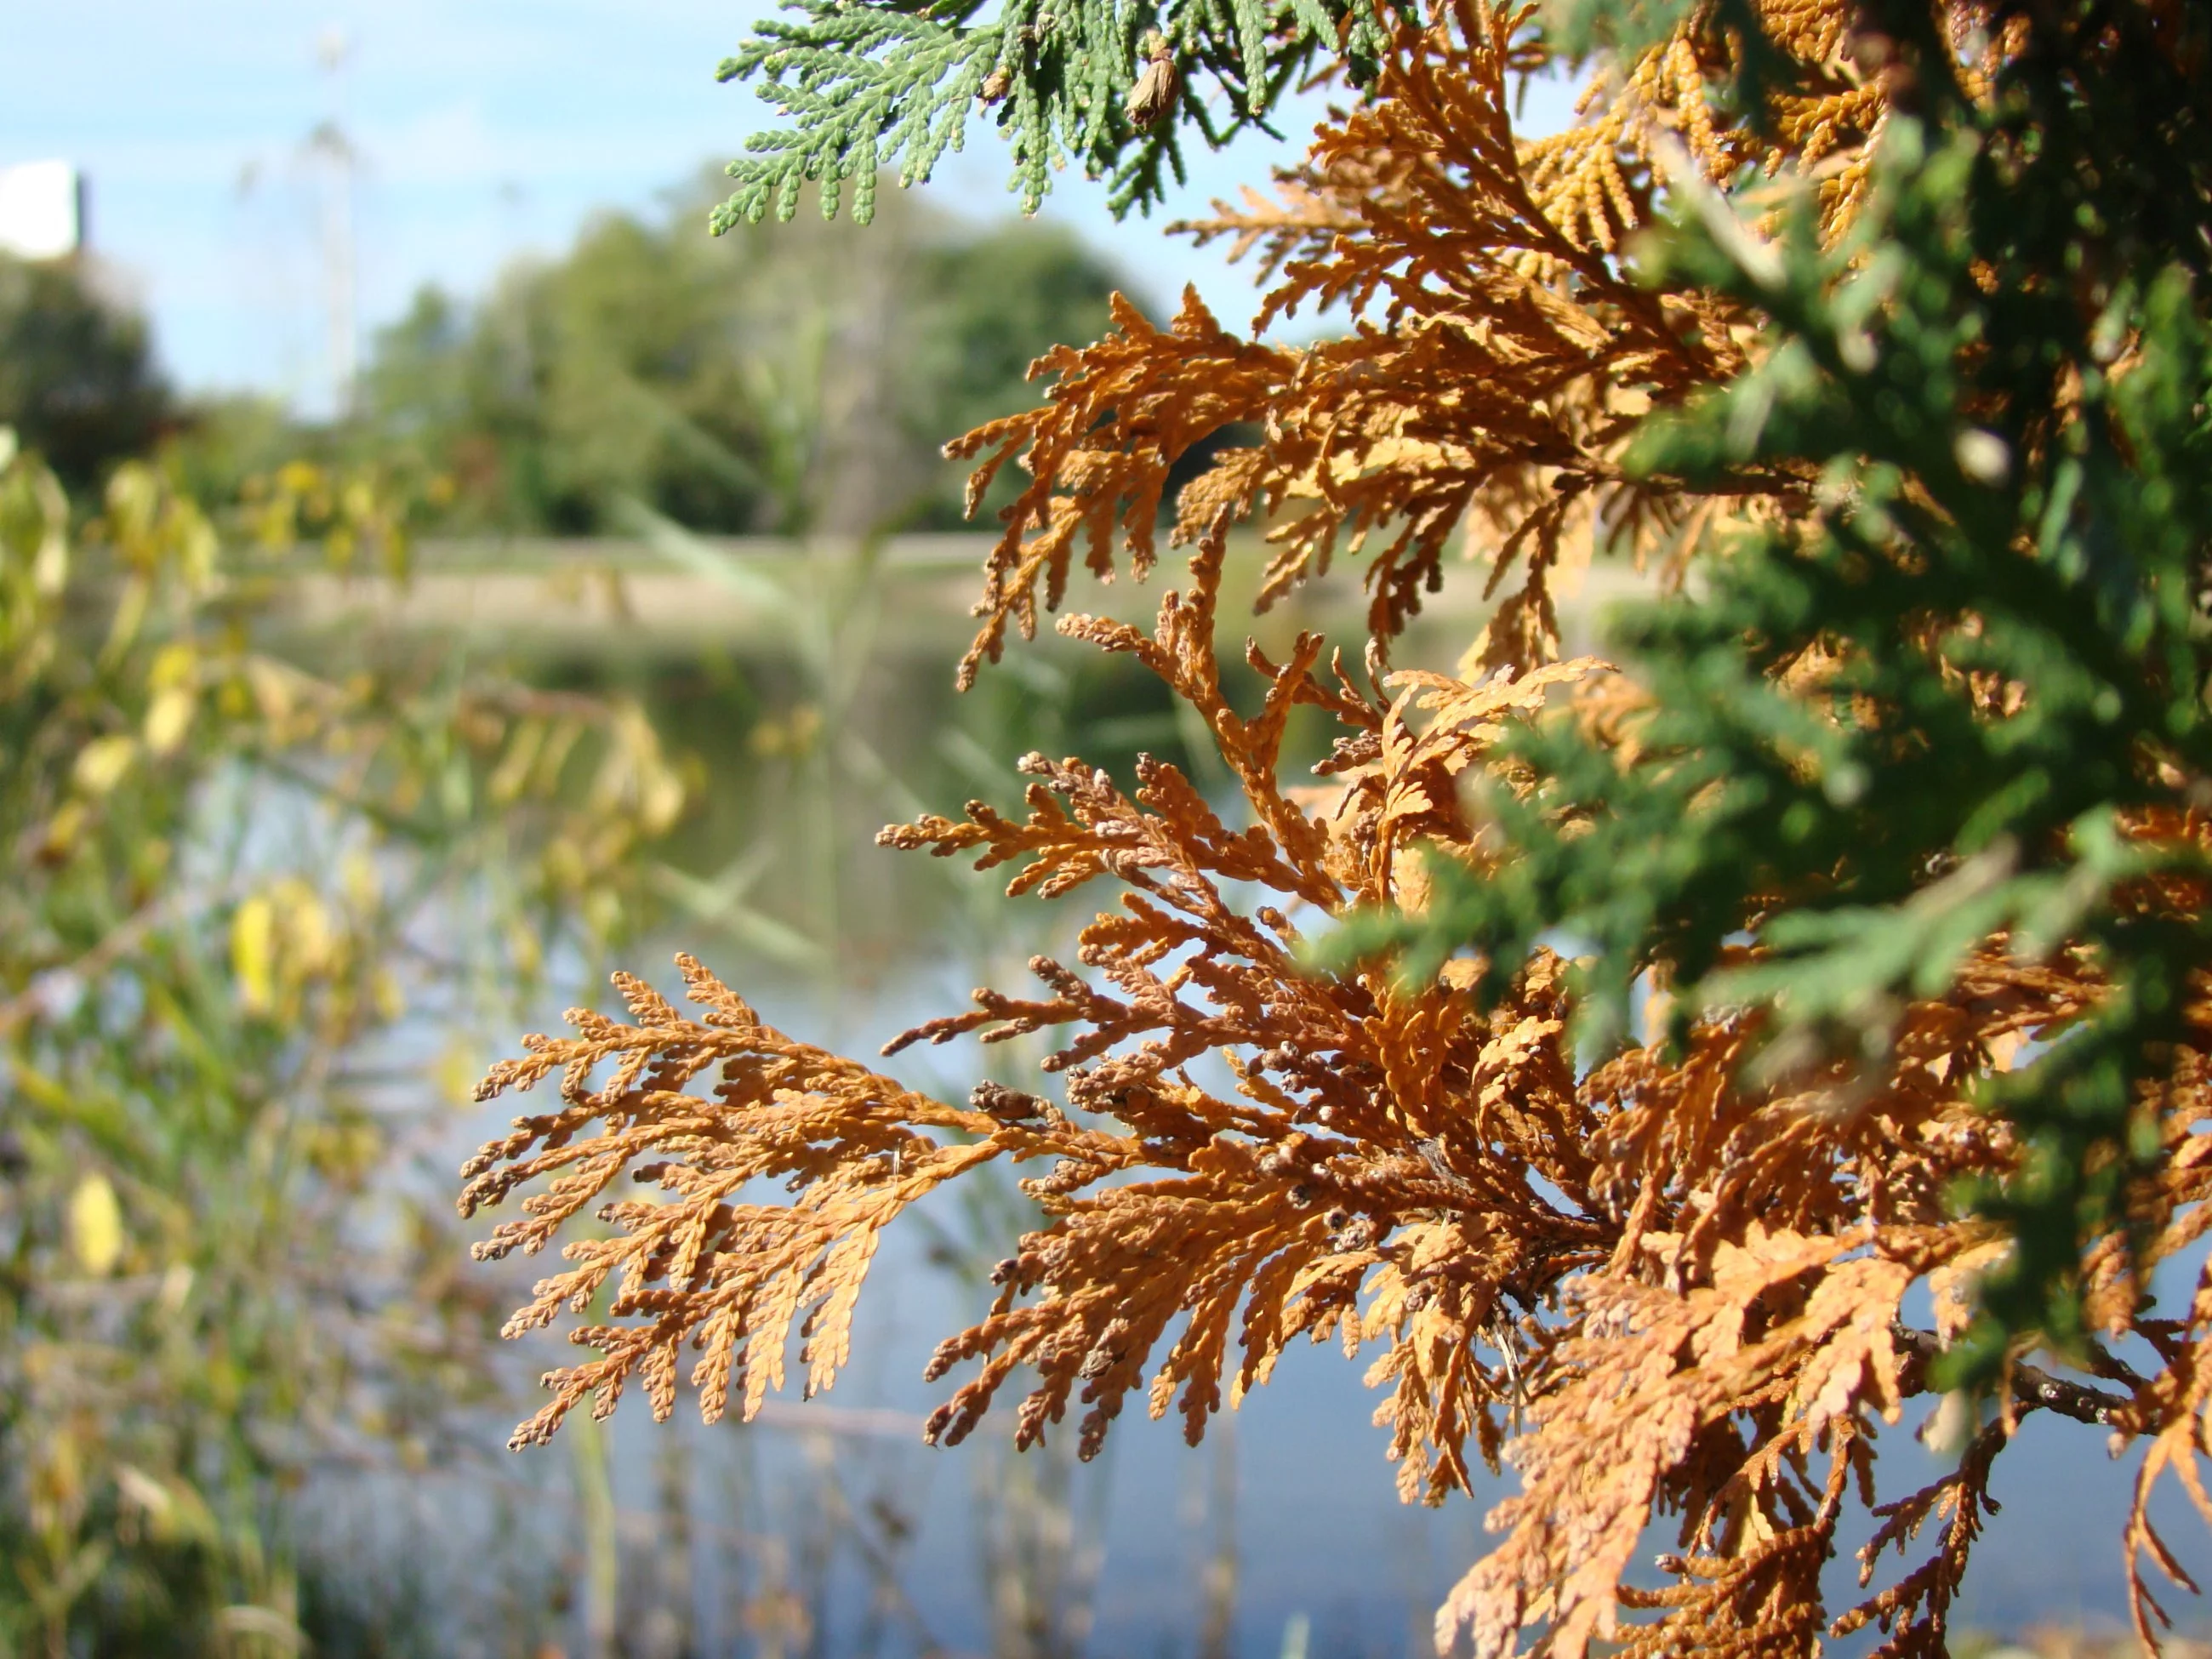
{"x": 78, "y": 382}
{"x": 783, "y": 381}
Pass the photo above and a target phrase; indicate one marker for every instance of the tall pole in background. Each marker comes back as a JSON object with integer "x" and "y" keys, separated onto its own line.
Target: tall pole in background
{"x": 330, "y": 148}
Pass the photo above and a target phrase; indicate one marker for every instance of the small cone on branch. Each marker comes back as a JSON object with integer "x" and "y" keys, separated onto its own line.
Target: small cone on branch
{"x": 1155, "y": 92}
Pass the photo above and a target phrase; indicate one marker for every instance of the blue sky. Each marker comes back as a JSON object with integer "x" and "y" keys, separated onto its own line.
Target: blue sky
{"x": 486, "y": 128}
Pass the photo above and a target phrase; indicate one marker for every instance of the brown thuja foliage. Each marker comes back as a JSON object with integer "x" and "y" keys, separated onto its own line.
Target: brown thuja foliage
{"x": 1501, "y": 359}
{"x": 1673, "y": 1284}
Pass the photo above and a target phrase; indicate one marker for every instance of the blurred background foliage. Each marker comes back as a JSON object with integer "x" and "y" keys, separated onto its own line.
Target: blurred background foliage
{"x": 781, "y": 379}
{"x": 242, "y": 871}
{"x": 290, "y": 860}
{"x": 78, "y": 382}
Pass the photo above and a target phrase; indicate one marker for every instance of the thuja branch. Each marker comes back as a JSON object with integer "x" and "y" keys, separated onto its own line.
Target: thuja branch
{"x": 2032, "y": 1388}
{"x": 1888, "y": 850}
{"x": 888, "y": 85}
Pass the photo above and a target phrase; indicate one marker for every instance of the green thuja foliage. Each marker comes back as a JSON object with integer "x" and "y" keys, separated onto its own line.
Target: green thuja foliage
{"x": 1992, "y": 401}
{"x": 870, "y": 86}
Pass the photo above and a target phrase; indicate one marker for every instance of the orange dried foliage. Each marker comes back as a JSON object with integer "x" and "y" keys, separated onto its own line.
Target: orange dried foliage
{"x": 1500, "y": 358}
{"x": 1665, "y": 1286}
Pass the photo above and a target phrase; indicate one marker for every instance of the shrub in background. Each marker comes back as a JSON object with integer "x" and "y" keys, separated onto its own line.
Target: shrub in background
{"x": 77, "y": 377}
{"x": 777, "y": 381}
{"x": 232, "y": 872}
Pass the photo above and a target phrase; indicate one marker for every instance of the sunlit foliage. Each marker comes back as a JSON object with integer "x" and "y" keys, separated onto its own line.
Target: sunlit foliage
{"x": 258, "y": 872}
{"x": 1878, "y": 333}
